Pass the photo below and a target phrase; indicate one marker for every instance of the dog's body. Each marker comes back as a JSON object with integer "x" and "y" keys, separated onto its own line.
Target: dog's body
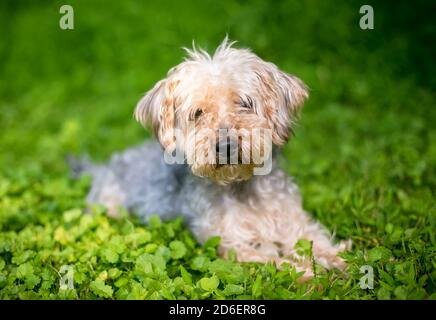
{"x": 260, "y": 216}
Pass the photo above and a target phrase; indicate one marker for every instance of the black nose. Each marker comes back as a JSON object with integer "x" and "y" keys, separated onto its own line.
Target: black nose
{"x": 225, "y": 150}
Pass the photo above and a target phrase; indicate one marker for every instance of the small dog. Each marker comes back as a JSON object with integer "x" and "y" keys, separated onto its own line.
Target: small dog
{"x": 215, "y": 185}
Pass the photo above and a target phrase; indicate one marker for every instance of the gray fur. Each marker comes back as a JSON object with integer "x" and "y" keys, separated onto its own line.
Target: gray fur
{"x": 250, "y": 216}
{"x": 148, "y": 185}
{"x": 140, "y": 181}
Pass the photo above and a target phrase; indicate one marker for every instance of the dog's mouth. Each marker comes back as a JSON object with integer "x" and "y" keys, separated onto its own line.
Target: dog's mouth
{"x": 220, "y": 164}
{"x": 229, "y": 152}
{"x": 228, "y": 161}
{"x": 224, "y": 174}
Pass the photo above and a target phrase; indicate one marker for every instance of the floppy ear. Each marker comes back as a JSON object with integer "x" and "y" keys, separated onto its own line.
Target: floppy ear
{"x": 283, "y": 96}
{"x": 157, "y": 106}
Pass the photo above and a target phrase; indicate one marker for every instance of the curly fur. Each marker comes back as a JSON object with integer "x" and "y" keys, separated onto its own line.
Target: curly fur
{"x": 260, "y": 216}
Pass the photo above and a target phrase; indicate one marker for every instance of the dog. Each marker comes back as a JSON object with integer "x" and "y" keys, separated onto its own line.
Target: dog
{"x": 260, "y": 215}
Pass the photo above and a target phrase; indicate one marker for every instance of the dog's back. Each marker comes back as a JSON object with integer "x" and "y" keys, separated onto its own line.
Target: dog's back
{"x": 137, "y": 179}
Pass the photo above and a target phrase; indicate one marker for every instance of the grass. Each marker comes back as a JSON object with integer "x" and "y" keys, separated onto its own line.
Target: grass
{"x": 364, "y": 154}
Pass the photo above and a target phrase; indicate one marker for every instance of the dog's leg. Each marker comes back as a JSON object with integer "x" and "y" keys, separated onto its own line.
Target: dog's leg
{"x": 325, "y": 252}
{"x": 263, "y": 241}
{"x": 292, "y": 223}
{"x": 264, "y": 225}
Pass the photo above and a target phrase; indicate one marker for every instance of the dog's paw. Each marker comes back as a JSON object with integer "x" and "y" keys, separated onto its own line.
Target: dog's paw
{"x": 345, "y": 245}
{"x": 328, "y": 257}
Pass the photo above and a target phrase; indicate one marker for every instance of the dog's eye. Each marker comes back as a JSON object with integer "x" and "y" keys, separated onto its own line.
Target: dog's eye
{"x": 198, "y": 113}
{"x": 247, "y": 103}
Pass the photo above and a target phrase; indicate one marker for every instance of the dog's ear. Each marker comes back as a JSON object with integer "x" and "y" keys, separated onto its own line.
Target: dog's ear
{"x": 157, "y": 107}
{"x": 283, "y": 96}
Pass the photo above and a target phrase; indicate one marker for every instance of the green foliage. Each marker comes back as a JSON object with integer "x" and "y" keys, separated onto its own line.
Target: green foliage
{"x": 364, "y": 154}
{"x": 100, "y": 289}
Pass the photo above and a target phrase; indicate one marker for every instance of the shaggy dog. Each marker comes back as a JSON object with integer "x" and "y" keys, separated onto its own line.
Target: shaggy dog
{"x": 220, "y": 120}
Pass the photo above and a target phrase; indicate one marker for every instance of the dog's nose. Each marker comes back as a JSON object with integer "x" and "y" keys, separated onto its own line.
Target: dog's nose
{"x": 226, "y": 151}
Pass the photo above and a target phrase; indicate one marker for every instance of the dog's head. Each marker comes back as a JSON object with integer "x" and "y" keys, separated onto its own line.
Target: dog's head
{"x": 223, "y": 112}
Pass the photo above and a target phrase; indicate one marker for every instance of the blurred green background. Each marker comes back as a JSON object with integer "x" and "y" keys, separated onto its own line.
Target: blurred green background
{"x": 364, "y": 152}
{"x": 78, "y": 88}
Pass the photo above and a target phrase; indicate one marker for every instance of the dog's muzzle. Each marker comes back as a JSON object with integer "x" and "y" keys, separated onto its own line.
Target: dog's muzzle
{"x": 227, "y": 152}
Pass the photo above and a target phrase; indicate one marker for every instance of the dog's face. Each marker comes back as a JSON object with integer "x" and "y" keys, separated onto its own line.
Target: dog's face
{"x": 223, "y": 112}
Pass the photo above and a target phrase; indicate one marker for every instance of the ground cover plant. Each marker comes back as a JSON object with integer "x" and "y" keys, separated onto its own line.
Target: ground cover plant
{"x": 364, "y": 151}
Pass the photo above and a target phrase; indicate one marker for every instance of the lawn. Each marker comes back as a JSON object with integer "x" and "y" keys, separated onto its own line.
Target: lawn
{"x": 364, "y": 152}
